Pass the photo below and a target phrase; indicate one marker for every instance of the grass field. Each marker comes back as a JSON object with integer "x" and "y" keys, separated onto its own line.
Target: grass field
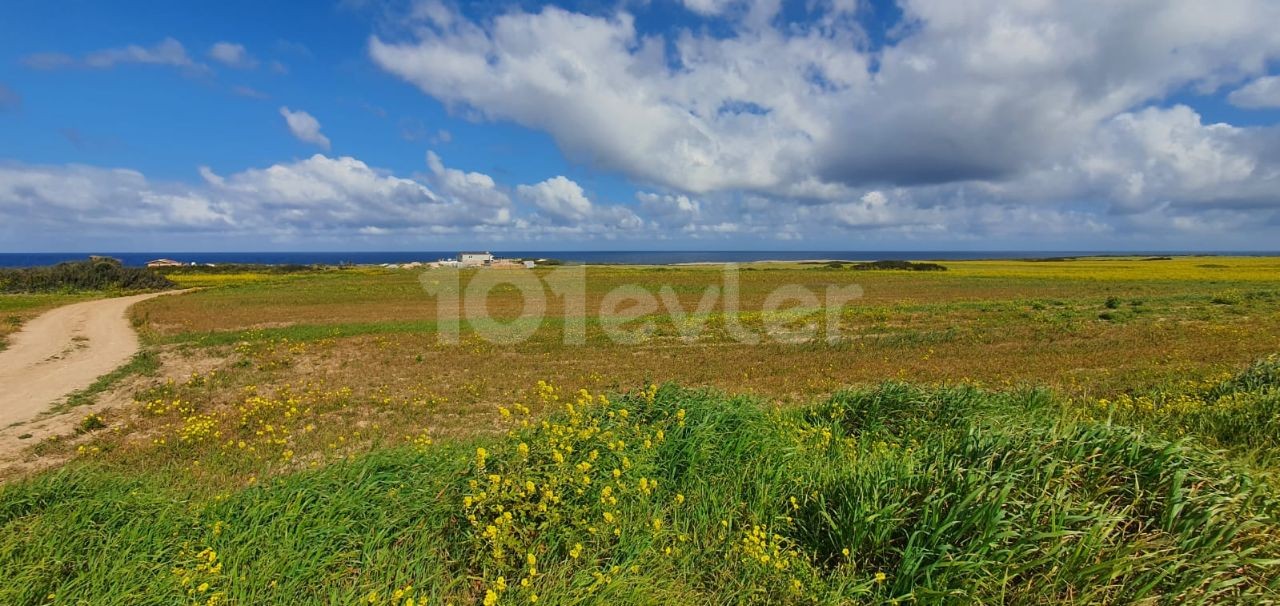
{"x": 1029, "y": 432}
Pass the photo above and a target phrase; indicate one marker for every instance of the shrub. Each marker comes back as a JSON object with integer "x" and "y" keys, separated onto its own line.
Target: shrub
{"x": 97, "y": 273}
{"x": 92, "y": 422}
{"x": 1229, "y": 297}
{"x": 897, "y": 265}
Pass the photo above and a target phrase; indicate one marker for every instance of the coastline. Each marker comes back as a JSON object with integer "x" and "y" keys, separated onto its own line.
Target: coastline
{"x": 636, "y": 258}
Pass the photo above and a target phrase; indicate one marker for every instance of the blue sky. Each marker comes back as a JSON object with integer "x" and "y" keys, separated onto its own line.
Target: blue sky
{"x": 702, "y": 124}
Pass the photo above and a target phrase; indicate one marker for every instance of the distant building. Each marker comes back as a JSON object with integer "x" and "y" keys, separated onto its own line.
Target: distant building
{"x": 529, "y": 264}
{"x": 474, "y": 259}
{"x": 164, "y": 263}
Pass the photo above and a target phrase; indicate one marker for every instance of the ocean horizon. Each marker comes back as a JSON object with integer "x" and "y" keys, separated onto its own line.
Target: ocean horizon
{"x": 628, "y": 257}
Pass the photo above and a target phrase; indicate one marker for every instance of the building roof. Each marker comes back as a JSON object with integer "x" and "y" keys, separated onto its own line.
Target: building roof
{"x": 475, "y": 253}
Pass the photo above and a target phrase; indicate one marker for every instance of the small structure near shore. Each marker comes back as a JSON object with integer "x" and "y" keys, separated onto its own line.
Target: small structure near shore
{"x": 164, "y": 263}
{"x": 481, "y": 259}
{"x": 475, "y": 259}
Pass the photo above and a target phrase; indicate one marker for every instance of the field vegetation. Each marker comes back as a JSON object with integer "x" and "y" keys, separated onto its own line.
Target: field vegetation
{"x": 1072, "y": 431}
{"x": 668, "y": 495}
{"x": 1085, "y": 327}
{"x": 96, "y": 274}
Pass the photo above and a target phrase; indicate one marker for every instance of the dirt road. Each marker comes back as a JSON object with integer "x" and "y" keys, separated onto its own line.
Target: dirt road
{"x": 62, "y": 351}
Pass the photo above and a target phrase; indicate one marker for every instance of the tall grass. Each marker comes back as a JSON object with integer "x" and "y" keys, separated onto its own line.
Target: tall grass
{"x": 1241, "y": 413}
{"x": 950, "y": 495}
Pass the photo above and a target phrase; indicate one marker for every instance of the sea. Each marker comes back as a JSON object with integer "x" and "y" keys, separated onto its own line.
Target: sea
{"x": 627, "y": 257}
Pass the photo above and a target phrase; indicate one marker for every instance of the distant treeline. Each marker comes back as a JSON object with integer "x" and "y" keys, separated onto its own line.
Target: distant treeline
{"x": 98, "y": 273}
{"x": 885, "y": 265}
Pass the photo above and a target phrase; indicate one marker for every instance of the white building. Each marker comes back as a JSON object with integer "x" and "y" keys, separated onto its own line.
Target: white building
{"x": 474, "y": 259}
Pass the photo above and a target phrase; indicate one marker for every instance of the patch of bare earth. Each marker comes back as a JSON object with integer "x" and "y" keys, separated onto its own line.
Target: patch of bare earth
{"x": 54, "y": 437}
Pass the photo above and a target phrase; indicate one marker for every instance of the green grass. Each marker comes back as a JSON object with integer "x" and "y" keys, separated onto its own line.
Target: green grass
{"x": 142, "y": 363}
{"x": 939, "y": 495}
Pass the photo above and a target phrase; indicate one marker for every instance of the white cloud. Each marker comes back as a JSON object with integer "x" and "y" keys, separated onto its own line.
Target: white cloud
{"x": 989, "y": 107}
{"x": 708, "y": 7}
{"x": 305, "y": 127}
{"x": 1168, "y": 155}
{"x": 976, "y": 122}
{"x": 322, "y": 193}
{"x": 608, "y": 97}
{"x": 232, "y": 55}
{"x": 210, "y": 177}
{"x": 563, "y": 203}
{"x": 670, "y": 209}
{"x": 315, "y": 197}
{"x": 333, "y": 199}
{"x": 472, "y": 188}
{"x": 1263, "y": 92}
{"x": 66, "y": 196}
{"x": 558, "y": 197}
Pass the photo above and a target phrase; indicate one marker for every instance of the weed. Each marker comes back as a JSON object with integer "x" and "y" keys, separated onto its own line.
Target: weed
{"x": 92, "y": 422}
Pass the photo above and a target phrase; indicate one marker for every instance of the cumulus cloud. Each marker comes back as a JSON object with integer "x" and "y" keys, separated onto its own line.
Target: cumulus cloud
{"x": 472, "y": 188}
{"x": 562, "y": 202}
{"x": 1033, "y": 111}
{"x": 972, "y": 121}
{"x": 988, "y": 91}
{"x": 305, "y": 127}
{"x": 232, "y": 55}
{"x": 322, "y": 193}
{"x": 39, "y": 196}
{"x": 670, "y": 209}
{"x": 730, "y": 118}
{"x": 1263, "y": 92}
{"x": 1168, "y": 155}
{"x": 314, "y": 196}
{"x": 558, "y": 197}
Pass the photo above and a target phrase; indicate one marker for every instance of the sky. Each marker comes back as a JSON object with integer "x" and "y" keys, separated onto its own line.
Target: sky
{"x": 640, "y": 125}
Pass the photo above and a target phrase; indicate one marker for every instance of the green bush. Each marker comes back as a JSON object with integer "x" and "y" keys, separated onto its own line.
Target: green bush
{"x": 97, "y": 273}
{"x": 897, "y": 265}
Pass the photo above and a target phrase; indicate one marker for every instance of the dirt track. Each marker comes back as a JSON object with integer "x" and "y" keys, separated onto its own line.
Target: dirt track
{"x": 62, "y": 351}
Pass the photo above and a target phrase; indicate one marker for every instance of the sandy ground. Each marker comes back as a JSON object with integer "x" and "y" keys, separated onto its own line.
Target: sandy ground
{"x": 62, "y": 351}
